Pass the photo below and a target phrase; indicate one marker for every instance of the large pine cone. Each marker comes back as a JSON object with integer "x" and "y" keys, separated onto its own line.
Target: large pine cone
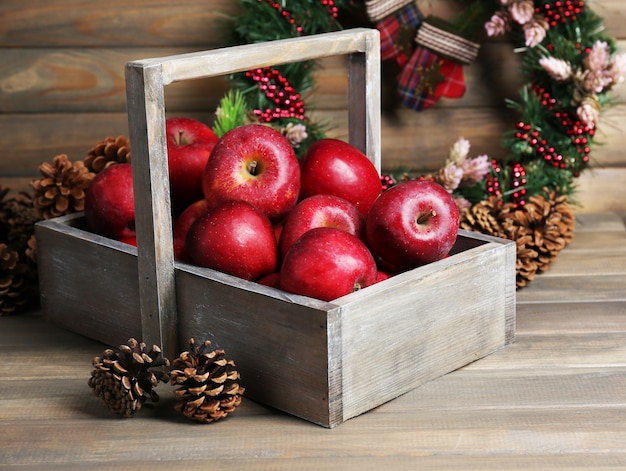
{"x": 126, "y": 378}
{"x": 13, "y": 286}
{"x": 209, "y": 388}
{"x": 541, "y": 229}
{"x": 111, "y": 150}
{"x": 62, "y": 188}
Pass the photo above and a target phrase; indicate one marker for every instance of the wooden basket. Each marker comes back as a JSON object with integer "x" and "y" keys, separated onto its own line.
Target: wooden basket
{"x": 323, "y": 361}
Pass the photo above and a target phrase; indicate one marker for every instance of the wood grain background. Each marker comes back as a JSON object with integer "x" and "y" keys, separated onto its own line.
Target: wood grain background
{"x": 62, "y": 87}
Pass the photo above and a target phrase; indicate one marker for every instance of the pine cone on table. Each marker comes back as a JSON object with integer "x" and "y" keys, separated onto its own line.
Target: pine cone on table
{"x": 483, "y": 217}
{"x": 17, "y": 218}
{"x": 13, "y": 286}
{"x": 541, "y": 229}
{"x": 209, "y": 388}
{"x": 111, "y": 150}
{"x": 126, "y": 378}
{"x": 62, "y": 188}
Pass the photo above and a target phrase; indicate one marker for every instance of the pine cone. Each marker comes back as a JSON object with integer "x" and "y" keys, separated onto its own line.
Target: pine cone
{"x": 13, "y": 287}
{"x": 62, "y": 188}
{"x": 209, "y": 388}
{"x": 17, "y": 218}
{"x": 541, "y": 229}
{"x": 108, "y": 152}
{"x": 126, "y": 378}
{"x": 483, "y": 217}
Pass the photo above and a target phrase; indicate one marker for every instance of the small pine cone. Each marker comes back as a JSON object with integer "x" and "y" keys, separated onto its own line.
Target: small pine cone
{"x": 31, "y": 249}
{"x": 62, "y": 188}
{"x": 126, "y": 378}
{"x": 209, "y": 388}
{"x": 111, "y": 150}
{"x": 18, "y": 217}
{"x": 13, "y": 286}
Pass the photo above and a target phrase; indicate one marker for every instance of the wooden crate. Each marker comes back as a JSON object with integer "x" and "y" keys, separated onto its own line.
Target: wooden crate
{"x": 323, "y": 361}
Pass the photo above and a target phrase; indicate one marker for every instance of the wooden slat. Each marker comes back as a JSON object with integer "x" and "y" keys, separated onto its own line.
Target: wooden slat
{"x": 44, "y": 23}
{"x": 89, "y": 81}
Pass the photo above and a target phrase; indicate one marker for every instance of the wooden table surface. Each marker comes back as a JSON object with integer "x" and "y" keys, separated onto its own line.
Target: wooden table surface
{"x": 555, "y": 399}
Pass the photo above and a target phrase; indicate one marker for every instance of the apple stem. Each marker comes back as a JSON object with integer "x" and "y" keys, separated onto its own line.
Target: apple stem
{"x": 252, "y": 167}
{"x": 180, "y": 137}
{"x": 423, "y": 218}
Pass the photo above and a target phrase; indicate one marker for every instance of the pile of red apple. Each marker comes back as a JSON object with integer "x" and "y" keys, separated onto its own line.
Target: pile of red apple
{"x": 245, "y": 205}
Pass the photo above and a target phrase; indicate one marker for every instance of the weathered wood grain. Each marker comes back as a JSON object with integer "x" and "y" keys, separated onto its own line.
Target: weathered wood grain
{"x": 552, "y": 400}
{"x": 324, "y": 352}
{"x": 94, "y": 24}
{"x": 62, "y": 88}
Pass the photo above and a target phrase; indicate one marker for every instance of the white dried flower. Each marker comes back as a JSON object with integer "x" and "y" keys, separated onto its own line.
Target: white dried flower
{"x": 598, "y": 57}
{"x": 522, "y": 12}
{"x": 295, "y": 133}
{"x": 462, "y": 203}
{"x": 459, "y": 151}
{"x": 499, "y": 24}
{"x": 617, "y": 69}
{"x": 595, "y": 81}
{"x": 535, "y": 32}
{"x": 589, "y": 111}
{"x": 476, "y": 169}
{"x": 449, "y": 177}
{"x": 557, "y": 68}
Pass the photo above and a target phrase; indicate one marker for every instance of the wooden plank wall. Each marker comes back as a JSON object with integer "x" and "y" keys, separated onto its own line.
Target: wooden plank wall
{"x": 62, "y": 87}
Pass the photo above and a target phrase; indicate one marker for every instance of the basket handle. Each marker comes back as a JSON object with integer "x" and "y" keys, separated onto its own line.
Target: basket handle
{"x": 145, "y": 83}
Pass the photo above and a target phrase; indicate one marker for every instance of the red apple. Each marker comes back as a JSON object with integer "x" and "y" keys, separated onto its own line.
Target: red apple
{"x": 320, "y": 211}
{"x": 110, "y": 203}
{"x": 334, "y": 167}
{"x": 412, "y": 223}
{"x": 130, "y": 240}
{"x": 272, "y": 280}
{"x": 189, "y": 146}
{"x": 257, "y": 164}
{"x": 382, "y": 275}
{"x": 327, "y": 263}
{"x": 182, "y": 224}
{"x": 235, "y": 238}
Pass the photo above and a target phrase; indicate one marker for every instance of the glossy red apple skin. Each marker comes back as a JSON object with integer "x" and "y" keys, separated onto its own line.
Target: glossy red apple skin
{"x": 412, "y": 223}
{"x": 235, "y": 238}
{"x": 110, "y": 203}
{"x": 257, "y": 164}
{"x": 327, "y": 263}
{"x": 272, "y": 280}
{"x": 320, "y": 211}
{"x": 334, "y": 167}
{"x": 189, "y": 146}
{"x": 182, "y": 224}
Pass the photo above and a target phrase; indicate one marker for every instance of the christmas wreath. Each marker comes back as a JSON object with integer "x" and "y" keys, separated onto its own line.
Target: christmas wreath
{"x": 569, "y": 62}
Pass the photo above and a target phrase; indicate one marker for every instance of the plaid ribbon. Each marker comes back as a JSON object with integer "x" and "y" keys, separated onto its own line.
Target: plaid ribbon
{"x": 397, "y": 32}
{"x": 379, "y": 9}
{"x": 427, "y": 77}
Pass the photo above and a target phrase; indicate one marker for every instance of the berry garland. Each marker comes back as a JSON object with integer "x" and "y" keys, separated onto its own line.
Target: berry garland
{"x": 274, "y": 95}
